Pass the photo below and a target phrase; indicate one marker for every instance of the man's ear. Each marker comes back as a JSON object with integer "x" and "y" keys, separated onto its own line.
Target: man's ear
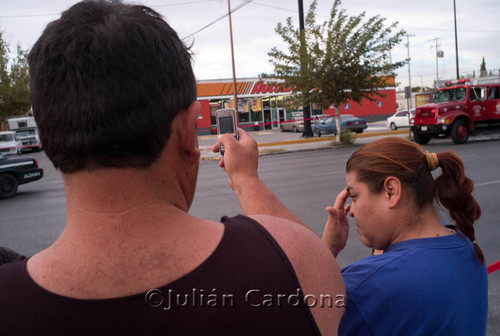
{"x": 185, "y": 127}
{"x": 392, "y": 191}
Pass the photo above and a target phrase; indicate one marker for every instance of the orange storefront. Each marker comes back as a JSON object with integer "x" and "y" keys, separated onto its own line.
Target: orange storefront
{"x": 262, "y": 106}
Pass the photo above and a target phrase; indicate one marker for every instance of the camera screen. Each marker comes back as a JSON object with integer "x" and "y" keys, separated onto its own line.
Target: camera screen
{"x": 226, "y": 125}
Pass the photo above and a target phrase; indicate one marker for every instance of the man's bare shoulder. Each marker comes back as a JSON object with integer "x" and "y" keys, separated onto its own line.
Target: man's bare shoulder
{"x": 315, "y": 266}
{"x": 294, "y": 236}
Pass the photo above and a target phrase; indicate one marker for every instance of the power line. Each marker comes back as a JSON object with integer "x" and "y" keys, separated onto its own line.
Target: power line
{"x": 54, "y": 14}
{"x": 179, "y": 3}
{"x": 460, "y": 30}
{"x": 157, "y": 6}
{"x": 218, "y": 19}
{"x": 275, "y": 7}
{"x": 27, "y": 16}
{"x": 254, "y": 3}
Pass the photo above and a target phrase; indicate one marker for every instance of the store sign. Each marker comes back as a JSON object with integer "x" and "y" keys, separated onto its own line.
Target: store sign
{"x": 259, "y": 87}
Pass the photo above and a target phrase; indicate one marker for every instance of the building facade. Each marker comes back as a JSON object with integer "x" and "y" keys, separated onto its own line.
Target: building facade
{"x": 262, "y": 106}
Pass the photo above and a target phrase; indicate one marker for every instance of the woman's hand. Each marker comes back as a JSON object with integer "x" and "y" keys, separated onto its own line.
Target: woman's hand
{"x": 337, "y": 226}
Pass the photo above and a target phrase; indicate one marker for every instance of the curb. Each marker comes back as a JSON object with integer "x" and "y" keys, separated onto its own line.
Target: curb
{"x": 328, "y": 138}
{"x": 299, "y": 141}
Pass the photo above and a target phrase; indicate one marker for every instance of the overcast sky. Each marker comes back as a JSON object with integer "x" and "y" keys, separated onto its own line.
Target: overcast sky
{"x": 22, "y": 21}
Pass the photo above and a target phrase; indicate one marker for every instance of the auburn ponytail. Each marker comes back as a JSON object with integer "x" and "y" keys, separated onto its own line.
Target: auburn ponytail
{"x": 454, "y": 191}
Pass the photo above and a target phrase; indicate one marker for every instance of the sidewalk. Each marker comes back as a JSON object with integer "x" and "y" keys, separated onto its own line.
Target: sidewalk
{"x": 274, "y": 142}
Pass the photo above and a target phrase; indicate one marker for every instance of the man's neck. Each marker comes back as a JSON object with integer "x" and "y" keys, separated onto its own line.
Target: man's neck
{"x": 108, "y": 203}
{"x": 122, "y": 236}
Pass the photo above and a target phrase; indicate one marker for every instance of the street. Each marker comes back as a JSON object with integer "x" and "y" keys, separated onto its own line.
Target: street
{"x": 306, "y": 182}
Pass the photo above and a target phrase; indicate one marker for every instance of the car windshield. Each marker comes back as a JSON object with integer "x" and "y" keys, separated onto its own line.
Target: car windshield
{"x": 328, "y": 121}
{"x": 456, "y": 94}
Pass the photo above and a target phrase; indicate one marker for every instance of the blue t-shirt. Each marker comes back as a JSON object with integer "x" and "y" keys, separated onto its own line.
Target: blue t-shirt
{"x": 428, "y": 286}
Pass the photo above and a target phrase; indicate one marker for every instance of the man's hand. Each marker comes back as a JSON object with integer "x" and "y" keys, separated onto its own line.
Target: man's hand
{"x": 240, "y": 159}
{"x": 337, "y": 226}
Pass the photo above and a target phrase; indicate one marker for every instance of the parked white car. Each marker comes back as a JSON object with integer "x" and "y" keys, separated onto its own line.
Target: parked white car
{"x": 10, "y": 143}
{"x": 400, "y": 119}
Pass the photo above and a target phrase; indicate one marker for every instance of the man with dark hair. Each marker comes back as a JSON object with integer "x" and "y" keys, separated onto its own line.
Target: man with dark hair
{"x": 114, "y": 96}
{"x": 107, "y": 80}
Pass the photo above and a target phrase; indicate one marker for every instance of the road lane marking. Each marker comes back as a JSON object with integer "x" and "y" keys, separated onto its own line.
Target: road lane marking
{"x": 487, "y": 183}
{"x": 329, "y": 173}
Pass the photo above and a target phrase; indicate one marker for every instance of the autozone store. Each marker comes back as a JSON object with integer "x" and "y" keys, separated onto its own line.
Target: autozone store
{"x": 262, "y": 106}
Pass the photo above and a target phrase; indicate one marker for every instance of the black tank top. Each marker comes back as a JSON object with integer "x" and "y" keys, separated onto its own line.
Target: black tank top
{"x": 246, "y": 287}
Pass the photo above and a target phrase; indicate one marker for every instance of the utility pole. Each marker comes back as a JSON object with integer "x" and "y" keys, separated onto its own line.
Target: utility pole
{"x": 390, "y": 55}
{"x": 456, "y": 38}
{"x": 388, "y": 48}
{"x": 439, "y": 54}
{"x": 409, "y": 71}
{"x": 306, "y": 111}
{"x": 232, "y": 61}
{"x": 301, "y": 15}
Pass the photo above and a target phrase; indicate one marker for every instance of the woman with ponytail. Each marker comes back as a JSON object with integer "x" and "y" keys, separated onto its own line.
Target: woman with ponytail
{"x": 431, "y": 278}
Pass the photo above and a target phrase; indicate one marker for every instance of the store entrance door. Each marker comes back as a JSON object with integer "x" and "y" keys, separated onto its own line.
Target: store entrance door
{"x": 281, "y": 115}
{"x": 275, "y": 118}
{"x": 267, "y": 118}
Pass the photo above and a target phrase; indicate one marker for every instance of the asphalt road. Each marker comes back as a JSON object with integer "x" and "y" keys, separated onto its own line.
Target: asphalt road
{"x": 305, "y": 181}
{"x": 309, "y": 181}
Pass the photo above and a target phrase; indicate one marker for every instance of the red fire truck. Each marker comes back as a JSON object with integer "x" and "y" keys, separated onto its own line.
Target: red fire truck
{"x": 459, "y": 110}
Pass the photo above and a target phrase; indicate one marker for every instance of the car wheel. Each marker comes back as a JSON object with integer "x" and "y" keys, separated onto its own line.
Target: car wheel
{"x": 393, "y": 126}
{"x": 420, "y": 138}
{"x": 359, "y": 131}
{"x": 317, "y": 133}
{"x": 295, "y": 129}
{"x": 8, "y": 186}
{"x": 459, "y": 132}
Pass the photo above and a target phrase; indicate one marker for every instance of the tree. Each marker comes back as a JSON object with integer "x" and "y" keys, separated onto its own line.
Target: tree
{"x": 297, "y": 67}
{"x": 341, "y": 60}
{"x": 14, "y": 81}
{"x": 482, "y": 71}
{"x": 4, "y": 74}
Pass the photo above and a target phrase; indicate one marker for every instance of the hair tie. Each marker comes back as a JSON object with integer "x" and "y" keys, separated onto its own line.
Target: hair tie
{"x": 474, "y": 242}
{"x": 432, "y": 160}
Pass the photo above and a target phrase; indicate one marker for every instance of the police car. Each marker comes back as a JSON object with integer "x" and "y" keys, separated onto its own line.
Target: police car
{"x": 16, "y": 171}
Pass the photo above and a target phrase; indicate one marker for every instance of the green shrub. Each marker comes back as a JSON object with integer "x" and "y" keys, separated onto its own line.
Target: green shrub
{"x": 347, "y": 138}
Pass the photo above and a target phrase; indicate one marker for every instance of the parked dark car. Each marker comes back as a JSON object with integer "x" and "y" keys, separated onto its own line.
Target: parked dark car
{"x": 14, "y": 172}
{"x": 347, "y": 122}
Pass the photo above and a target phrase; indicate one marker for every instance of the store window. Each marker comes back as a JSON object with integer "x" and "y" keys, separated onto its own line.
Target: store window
{"x": 215, "y": 104}
{"x": 243, "y": 111}
{"x": 256, "y": 109}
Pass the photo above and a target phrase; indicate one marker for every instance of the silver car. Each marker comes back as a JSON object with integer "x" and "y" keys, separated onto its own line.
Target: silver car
{"x": 296, "y": 124}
